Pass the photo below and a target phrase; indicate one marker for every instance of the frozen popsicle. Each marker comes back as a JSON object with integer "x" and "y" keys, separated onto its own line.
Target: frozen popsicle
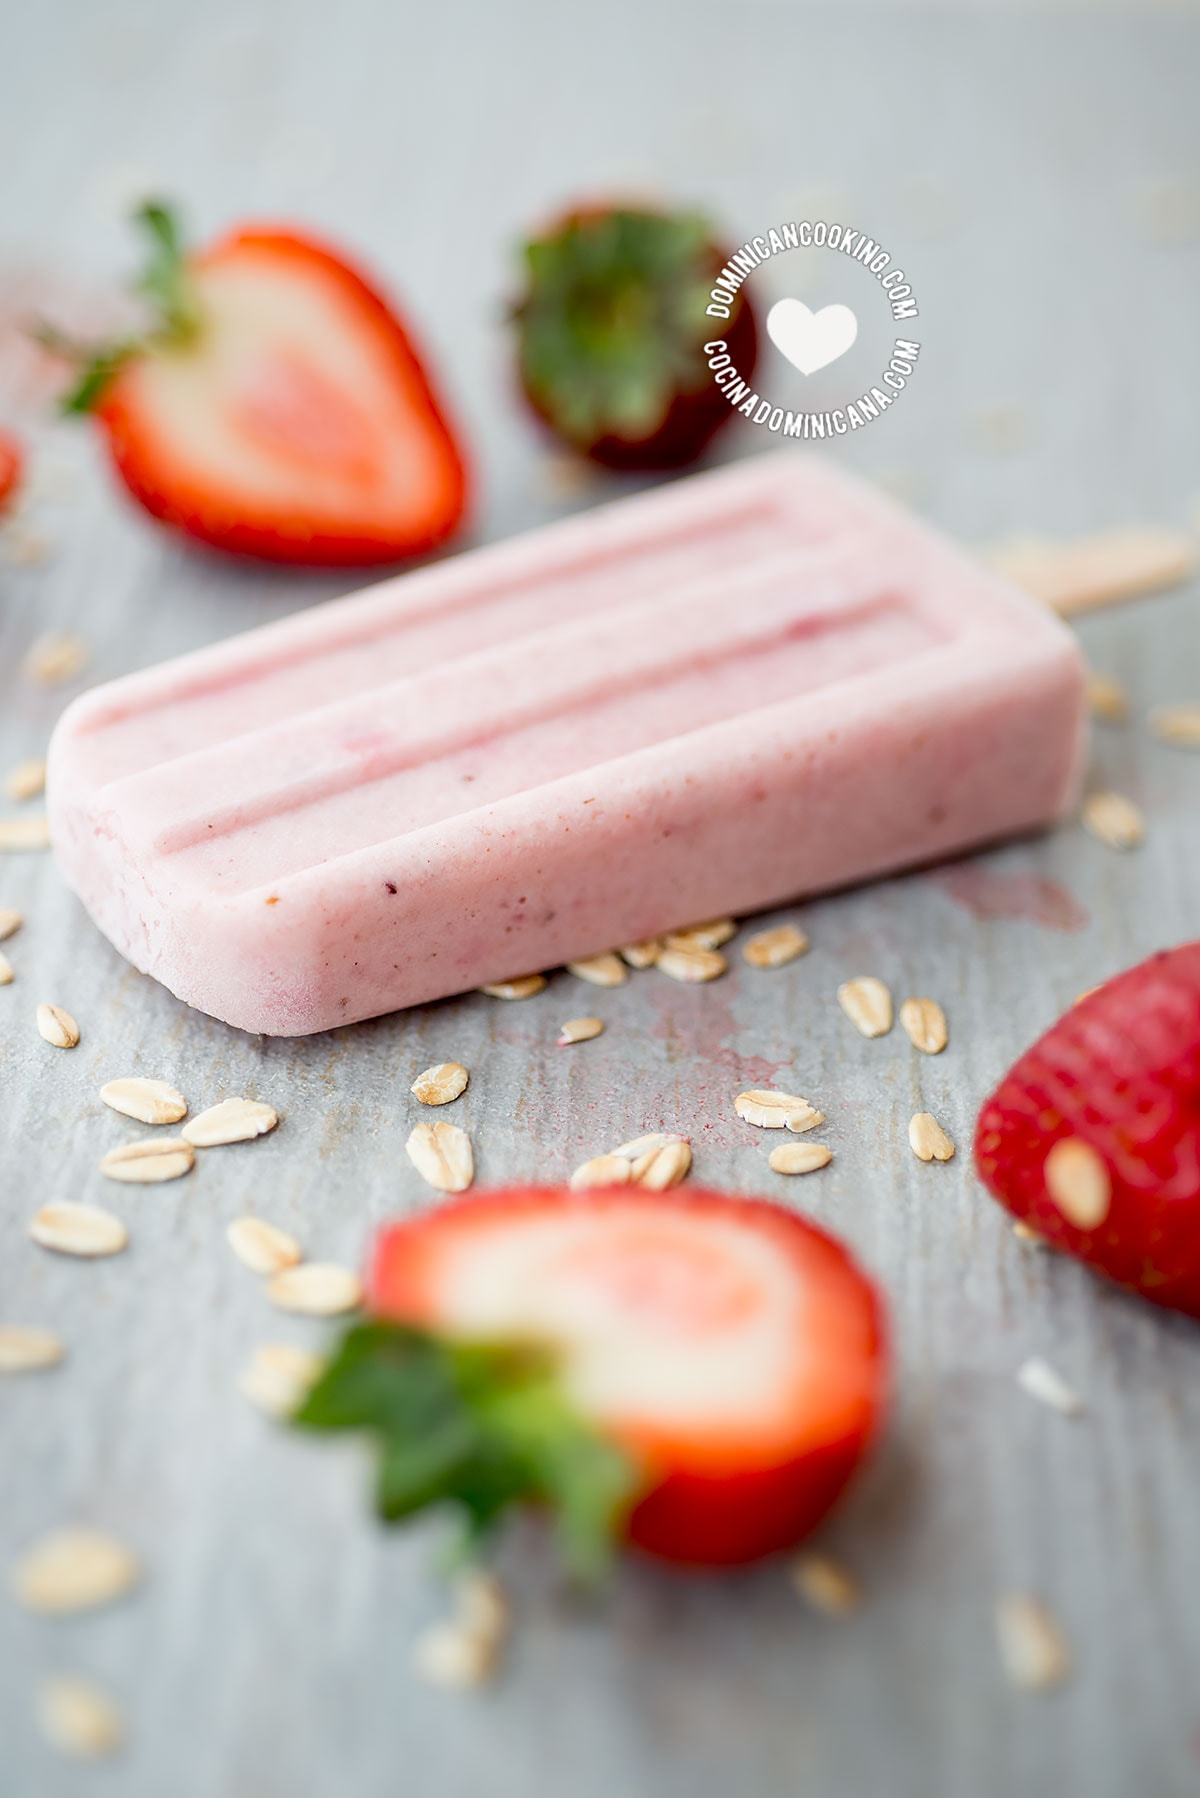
{"x": 736, "y": 690}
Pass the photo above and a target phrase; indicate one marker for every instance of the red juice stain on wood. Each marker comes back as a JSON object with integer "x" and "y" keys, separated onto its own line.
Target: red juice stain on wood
{"x": 1024, "y": 898}
{"x": 699, "y": 1028}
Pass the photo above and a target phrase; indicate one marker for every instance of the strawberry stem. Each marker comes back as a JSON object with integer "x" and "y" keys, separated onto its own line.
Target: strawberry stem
{"x": 482, "y": 1427}
{"x": 165, "y": 284}
{"x": 164, "y": 281}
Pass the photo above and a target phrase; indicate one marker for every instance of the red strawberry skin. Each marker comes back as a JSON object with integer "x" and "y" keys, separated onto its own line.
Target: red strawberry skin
{"x": 718, "y": 1488}
{"x": 263, "y": 447}
{"x": 1121, "y": 1072}
{"x": 11, "y": 463}
{"x": 738, "y": 1518}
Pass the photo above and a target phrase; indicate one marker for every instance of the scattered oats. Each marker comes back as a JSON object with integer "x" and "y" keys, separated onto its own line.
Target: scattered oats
{"x": 6, "y": 971}
{"x": 925, "y": 1024}
{"x": 78, "y": 1229}
{"x": 799, "y": 1157}
{"x": 440, "y": 1084}
{"x": 905, "y": 484}
{"x": 1098, "y": 570}
{"x": 1002, "y": 428}
{"x": 149, "y": 1161}
{"x": 73, "y": 1570}
{"x": 482, "y": 1604}
{"x": 262, "y": 1247}
{"x": 642, "y": 955}
{"x": 22, "y": 1349}
{"x": 27, "y": 780}
{"x": 279, "y": 1376}
{"x": 441, "y": 1154}
{"x": 233, "y": 1120}
{"x": 449, "y": 1655}
{"x": 316, "y": 1289}
{"x": 580, "y": 1030}
{"x": 691, "y": 965}
{"x": 774, "y": 948}
{"x": 642, "y": 1145}
{"x": 564, "y": 476}
{"x": 777, "y": 1111}
{"x": 465, "y": 1652}
{"x": 149, "y": 1101}
{"x": 1032, "y": 1646}
{"x": 663, "y": 1167}
{"x": 1169, "y": 210}
{"x": 78, "y": 1719}
{"x": 600, "y": 970}
{"x": 22, "y": 547}
{"x": 1040, "y": 1381}
{"x": 523, "y": 988}
{"x": 712, "y": 935}
{"x": 826, "y": 1584}
{"x": 31, "y": 831}
{"x": 1107, "y": 699}
{"x": 10, "y": 922}
{"x": 57, "y": 1027}
{"x": 603, "y": 1170}
{"x": 928, "y": 1140}
{"x": 1177, "y": 724}
{"x": 1077, "y": 1180}
{"x": 1114, "y": 819}
{"x": 1026, "y": 1233}
{"x": 867, "y": 1003}
{"x": 56, "y": 658}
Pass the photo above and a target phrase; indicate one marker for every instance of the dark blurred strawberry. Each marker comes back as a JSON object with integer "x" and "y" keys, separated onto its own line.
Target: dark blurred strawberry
{"x": 274, "y": 406}
{"x": 1093, "y": 1138}
{"x": 610, "y": 335}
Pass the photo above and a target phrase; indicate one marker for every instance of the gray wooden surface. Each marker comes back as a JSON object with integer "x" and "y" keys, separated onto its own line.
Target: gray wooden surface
{"x": 1012, "y": 159}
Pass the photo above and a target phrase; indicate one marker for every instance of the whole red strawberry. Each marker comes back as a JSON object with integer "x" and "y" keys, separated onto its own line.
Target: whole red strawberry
{"x": 274, "y": 405}
{"x": 10, "y": 466}
{"x": 610, "y": 334}
{"x": 1093, "y": 1138}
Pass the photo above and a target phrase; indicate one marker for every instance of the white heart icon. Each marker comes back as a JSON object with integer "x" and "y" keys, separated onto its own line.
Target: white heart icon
{"x": 811, "y": 340}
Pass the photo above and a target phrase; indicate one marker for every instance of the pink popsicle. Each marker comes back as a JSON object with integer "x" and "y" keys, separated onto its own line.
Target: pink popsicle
{"x": 745, "y": 687}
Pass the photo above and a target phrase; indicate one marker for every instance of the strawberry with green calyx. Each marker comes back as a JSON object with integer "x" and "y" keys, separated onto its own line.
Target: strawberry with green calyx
{"x": 273, "y": 406}
{"x": 610, "y": 335}
{"x": 11, "y": 464}
{"x": 694, "y": 1374}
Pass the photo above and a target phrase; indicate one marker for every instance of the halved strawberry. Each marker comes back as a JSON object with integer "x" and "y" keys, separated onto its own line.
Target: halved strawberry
{"x": 1093, "y": 1138}
{"x": 276, "y": 407}
{"x": 610, "y": 330}
{"x": 697, "y": 1374}
{"x": 11, "y": 463}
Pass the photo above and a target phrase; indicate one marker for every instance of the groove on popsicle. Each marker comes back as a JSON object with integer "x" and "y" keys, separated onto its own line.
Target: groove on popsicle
{"x": 500, "y": 692}
{"x": 369, "y": 621}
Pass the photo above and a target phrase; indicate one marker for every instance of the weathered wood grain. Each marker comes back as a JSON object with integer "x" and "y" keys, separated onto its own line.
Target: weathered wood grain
{"x": 267, "y": 1655}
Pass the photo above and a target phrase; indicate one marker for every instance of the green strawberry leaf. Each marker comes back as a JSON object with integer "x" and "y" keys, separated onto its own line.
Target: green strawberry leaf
{"x": 164, "y": 280}
{"x": 612, "y": 322}
{"x": 479, "y": 1427}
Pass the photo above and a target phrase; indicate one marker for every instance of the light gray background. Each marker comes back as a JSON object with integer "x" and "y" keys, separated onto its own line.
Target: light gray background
{"x": 1010, "y": 158}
